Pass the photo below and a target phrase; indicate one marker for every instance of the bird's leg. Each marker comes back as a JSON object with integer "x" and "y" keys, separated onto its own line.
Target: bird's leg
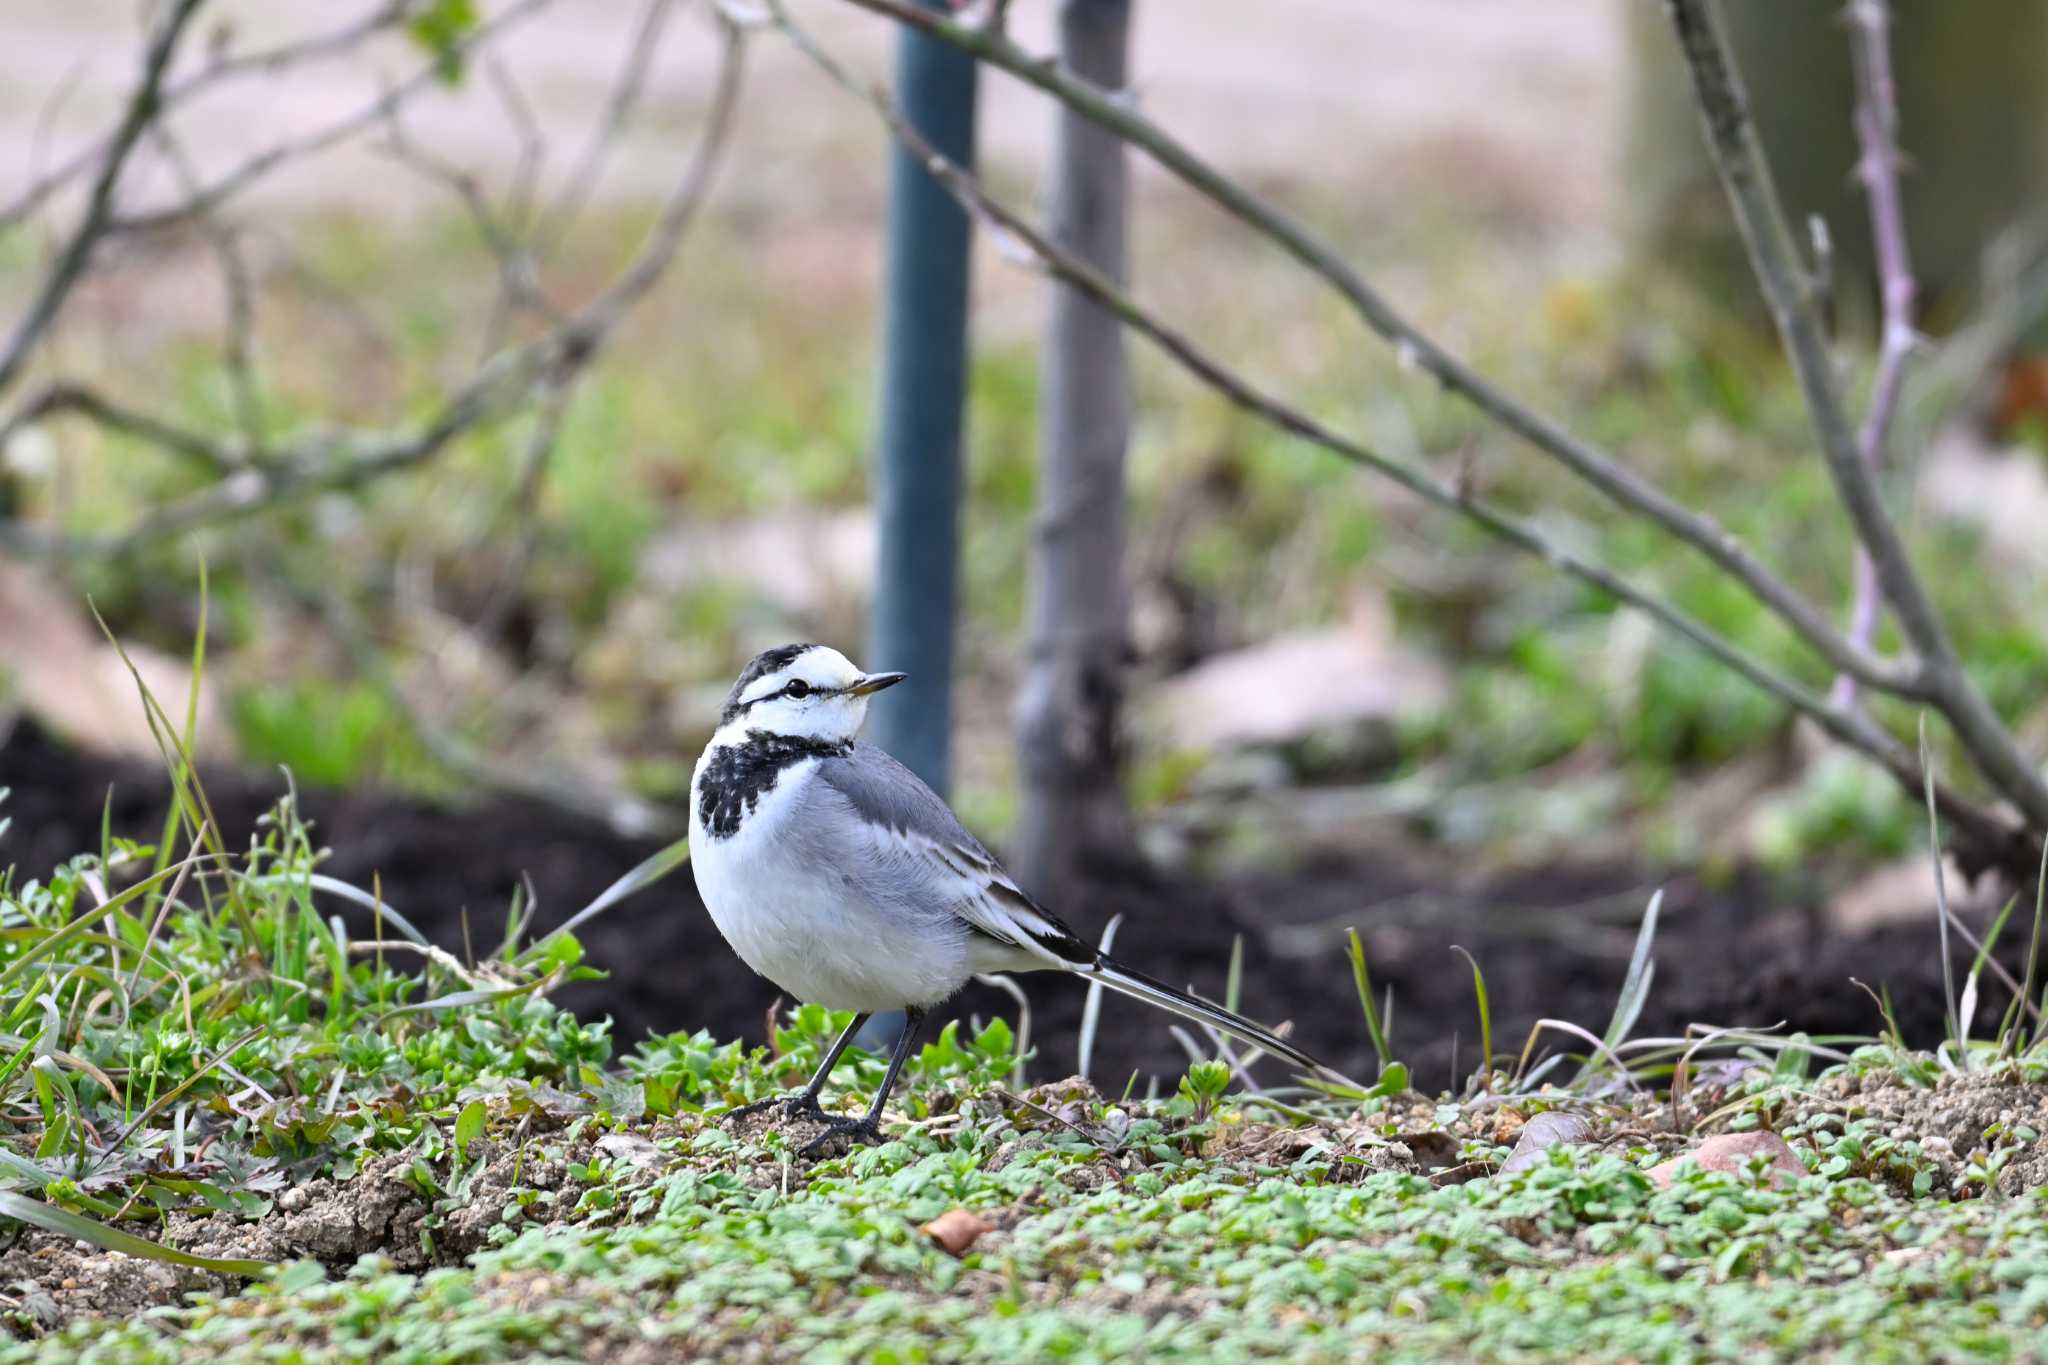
{"x": 868, "y": 1127}
{"x": 804, "y": 1104}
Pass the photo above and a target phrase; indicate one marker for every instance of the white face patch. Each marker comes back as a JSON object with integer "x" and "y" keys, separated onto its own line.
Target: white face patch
{"x": 819, "y": 668}
{"x": 808, "y": 697}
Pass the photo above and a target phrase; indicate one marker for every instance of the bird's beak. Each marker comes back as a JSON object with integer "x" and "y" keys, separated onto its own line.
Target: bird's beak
{"x": 875, "y": 682}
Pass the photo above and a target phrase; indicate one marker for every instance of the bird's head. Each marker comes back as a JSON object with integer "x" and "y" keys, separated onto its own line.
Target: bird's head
{"x": 804, "y": 691}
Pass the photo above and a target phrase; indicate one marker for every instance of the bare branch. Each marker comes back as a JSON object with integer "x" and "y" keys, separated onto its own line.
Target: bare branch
{"x": 676, "y": 216}
{"x": 1877, "y": 132}
{"x": 1732, "y": 141}
{"x": 261, "y": 164}
{"x": 625, "y": 96}
{"x": 68, "y": 398}
{"x": 238, "y": 329}
{"x": 518, "y": 289}
{"x": 1851, "y": 727}
{"x": 620, "y": 810}
{"x": 1611, "y": 476}
{"x": 552, "y": 407}
{"x": 271, "y": 61}
{"x": 326, "y": 462}
{"x": 98, "y": 216}
{"x": 533, "y": 144}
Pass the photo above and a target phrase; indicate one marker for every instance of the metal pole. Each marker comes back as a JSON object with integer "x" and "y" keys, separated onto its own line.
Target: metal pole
{"x": 924, "y": 382}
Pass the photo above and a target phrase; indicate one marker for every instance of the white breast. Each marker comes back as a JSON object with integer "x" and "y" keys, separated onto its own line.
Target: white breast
{"x": 803, "y": 923}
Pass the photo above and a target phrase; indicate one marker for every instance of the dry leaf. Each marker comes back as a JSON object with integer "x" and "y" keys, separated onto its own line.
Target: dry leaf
{"x": 1547, "y": 1130}
{"x": 956, "y": 1230}
{"x": 1733, "y": 1152}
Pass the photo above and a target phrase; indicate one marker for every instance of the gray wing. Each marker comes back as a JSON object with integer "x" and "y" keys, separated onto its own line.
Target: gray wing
{"x": 914, "y": 843}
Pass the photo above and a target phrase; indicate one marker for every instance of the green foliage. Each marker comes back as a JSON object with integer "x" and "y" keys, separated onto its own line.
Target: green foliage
{"x": 440, "y": 27}
{"x": 1203, "y": 1085}
{"x": 1841, "y": 801}
{"x": 1581, "y": 1256}
{"x": 211, "y": 996}
{"x": 327, "y": 733}
{"x": 1127, "y": 1229}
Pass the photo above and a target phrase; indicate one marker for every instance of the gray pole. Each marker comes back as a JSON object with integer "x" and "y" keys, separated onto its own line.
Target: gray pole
{"x": 924, "y": 381}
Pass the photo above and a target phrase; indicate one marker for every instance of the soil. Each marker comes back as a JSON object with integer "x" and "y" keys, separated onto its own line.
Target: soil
{"x": 1553, "y": 941}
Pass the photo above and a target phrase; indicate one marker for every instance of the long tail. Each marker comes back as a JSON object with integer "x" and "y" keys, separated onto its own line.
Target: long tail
{"x": 1139, "y": 986}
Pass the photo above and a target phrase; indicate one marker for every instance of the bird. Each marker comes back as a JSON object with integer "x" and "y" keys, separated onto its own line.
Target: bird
{"x": 840, "y": 876}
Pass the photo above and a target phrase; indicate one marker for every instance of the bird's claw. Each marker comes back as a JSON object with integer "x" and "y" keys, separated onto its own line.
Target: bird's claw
{"x": 802, "y": 1105}
{"x": 855, "y": 1130}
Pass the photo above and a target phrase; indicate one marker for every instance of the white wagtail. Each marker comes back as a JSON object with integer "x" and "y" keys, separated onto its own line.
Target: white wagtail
{"x": 836, "y": 873}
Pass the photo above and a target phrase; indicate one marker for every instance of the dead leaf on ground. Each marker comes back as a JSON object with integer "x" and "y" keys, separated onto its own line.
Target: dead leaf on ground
{"x": 1541, "y": 1133}
{"x": 956, "y": 1230}
{"x": 1732, "y": 1152}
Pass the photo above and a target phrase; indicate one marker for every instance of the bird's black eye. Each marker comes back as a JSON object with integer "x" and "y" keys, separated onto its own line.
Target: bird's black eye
{"x": 798, "y": 689}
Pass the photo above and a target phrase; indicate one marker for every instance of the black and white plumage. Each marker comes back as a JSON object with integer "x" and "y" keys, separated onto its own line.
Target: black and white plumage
{"x": 836, "y": 873}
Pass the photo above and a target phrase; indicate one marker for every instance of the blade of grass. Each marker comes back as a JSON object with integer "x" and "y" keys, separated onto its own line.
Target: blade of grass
{"x": 1363, "y": 980}
{"x": 1007, "y": 984}
{"x": 334, "y": 886}
{"x": 1233, "y": 984}
{"x": 65, "y": 1223}
{"x": 1601, "y": 1049}
{"x": 1635, "y": 986}
{"x": 459, "y": 999}
{"x": 1948, "y": 978}
{"x": 189, "y": 802}
{"x": 1485, "y": 1018}
{"x": 1971, "y": 982}
{"x": 646, "y": 874}
{"x": 164, "y": 904}
{"x": 62, "y": 937}
{"x": 171, "y": 1096}
{"x": 2007, "y": 1043}
{"x": 1091, "y": 1006}
{"x": 1883, "y": 1001}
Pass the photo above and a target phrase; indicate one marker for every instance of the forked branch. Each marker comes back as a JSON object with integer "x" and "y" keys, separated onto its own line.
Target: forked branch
{"x": 1745, "y": 174}
{"x": 1986, "y": 830}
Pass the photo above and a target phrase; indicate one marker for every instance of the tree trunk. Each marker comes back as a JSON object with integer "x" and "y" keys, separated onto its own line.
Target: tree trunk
{"x": 1973, "y": 125}
{"x": 1069, "y": 713}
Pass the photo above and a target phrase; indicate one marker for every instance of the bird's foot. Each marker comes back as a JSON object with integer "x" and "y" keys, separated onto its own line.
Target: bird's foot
{"x": 862, "y": 1129}
{"x": 802, "y": 1105}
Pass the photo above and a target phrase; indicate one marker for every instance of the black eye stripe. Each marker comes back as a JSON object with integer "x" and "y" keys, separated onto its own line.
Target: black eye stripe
{"x": 788, "y": 690}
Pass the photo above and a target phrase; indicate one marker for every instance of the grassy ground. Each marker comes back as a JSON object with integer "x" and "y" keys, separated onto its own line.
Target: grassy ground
{"x": 247, "y": 1065}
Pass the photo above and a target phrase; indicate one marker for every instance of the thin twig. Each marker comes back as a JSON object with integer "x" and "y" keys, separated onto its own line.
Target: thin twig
{"x": 569, "y": 200}
{"x": 1745, "y": 175}
{"x": 71, "y": 262}
{"x": 328, "y": 462}
{"x": 239, "y": 324}
{"x": 1010, "y": 230}
{"x": 1877, "y": 133}
{"x": 272, "y": 61}
{"x": 428, "y": 77}
{"x": 1606, "y": 473}
{"x": 518, "y": 290}
{"x": 68, "y": 397}
{"x": 522, "y": 508}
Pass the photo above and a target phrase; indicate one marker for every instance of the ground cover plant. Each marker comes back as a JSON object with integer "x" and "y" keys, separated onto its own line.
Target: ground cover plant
{"x": 249, "y": 1114}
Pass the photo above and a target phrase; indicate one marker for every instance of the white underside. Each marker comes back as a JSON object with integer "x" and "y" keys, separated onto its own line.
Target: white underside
{"x": 795, "y": 901}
